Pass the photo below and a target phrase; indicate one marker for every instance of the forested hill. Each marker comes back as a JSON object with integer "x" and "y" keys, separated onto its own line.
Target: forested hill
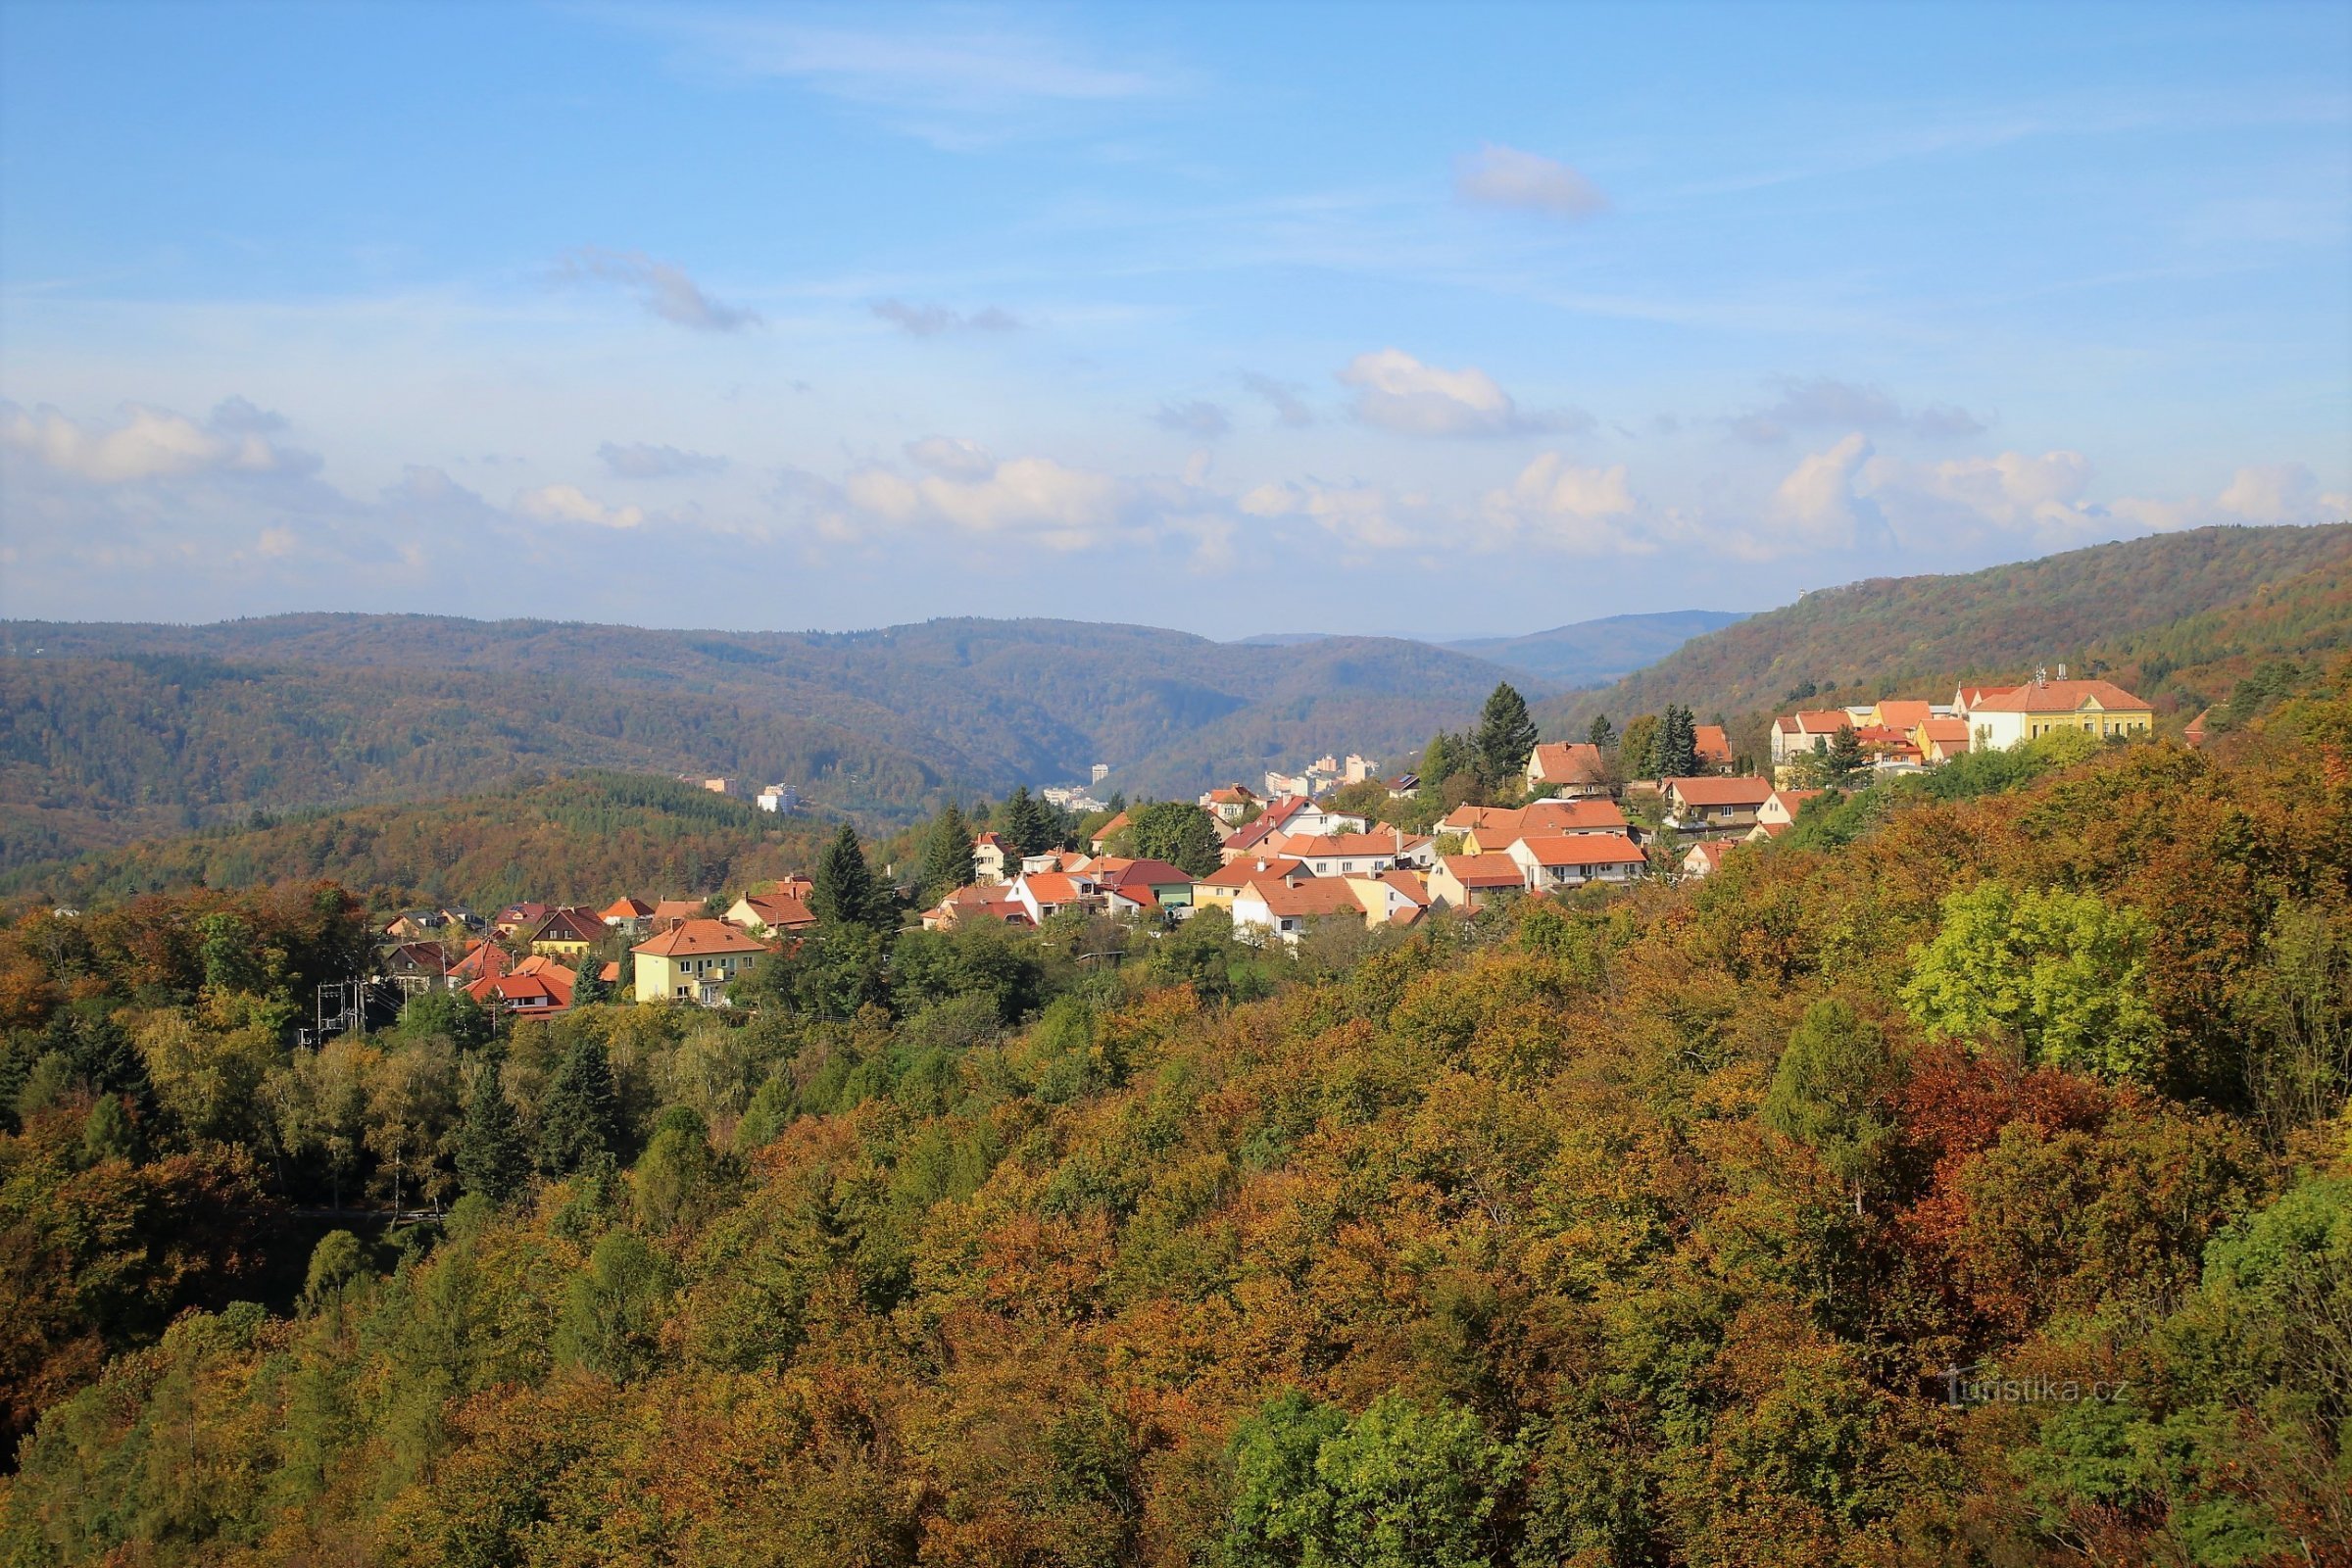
{"x": 2113, "y": 602}
{"x": 582, "y": 838}
{"x": 114, "y": 732}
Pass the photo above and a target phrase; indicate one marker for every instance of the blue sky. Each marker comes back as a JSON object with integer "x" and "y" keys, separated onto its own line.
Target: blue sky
{"x": 1440, "y": 320}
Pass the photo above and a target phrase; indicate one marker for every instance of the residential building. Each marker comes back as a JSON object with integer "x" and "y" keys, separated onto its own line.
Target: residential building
{"x": 695, "y": 960}
{"x": 1356, "y": 769}
{"x": 2003, "y": 719}
{"x": 670, "y": 913}
{"x": 1781, "y": 807}
{"x": 1939, "y": 739}
{"x": 974, "y": 904}
{"x": 1794, "y": 735}
{"x": 1585, "y": 814}
{"x": 1706, "y": 856}
{"x": 988, "y": 859}
{"x": 1559, "y": 861}
{"x": 1042, "y": 895}
{"x": 1713, "y": 746}
{"x": 1109, "y": 830}
{"x": 1473, "y": 881}
{"x": 760, "y": 914}
{"x": 1229, "y": 804}
{"x": 566, "y": 933}
{"x": 1568, "y": 769}
{"x": 1354, "y": 854}
{"x": 1714, "y": 805}
{"x": 630, "y": 916}
{"x": 1099, "y": 773}
{"x": 515, "y": 918}
{"x": 1901, "y": 714}
{"x": 782, "y": 798}
{"x": 1281, "y": 909}
{"x": 1218, "y": 891}
{"x": 1164, "y": 886}
{"x": 427, "y": 959}
{"x": 526, "y": 994}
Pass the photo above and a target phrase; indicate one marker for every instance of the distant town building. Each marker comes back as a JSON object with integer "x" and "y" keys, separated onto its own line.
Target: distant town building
{"x": 782, "y": 798}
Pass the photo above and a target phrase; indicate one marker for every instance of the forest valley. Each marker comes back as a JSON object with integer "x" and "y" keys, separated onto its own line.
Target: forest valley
{"x": 1967, "y": 1179}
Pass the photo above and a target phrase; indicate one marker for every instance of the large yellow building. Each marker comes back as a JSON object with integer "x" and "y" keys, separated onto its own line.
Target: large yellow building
{"x": 1998, "y": 719}
{"x": 695, "y": 962}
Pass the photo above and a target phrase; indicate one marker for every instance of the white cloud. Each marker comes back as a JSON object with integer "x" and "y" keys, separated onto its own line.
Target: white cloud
{"x": 972, "y": 70}
{"x": 1816, "y": 508}
{"x": 644, "y": 459}
{"x": 1365, "y": 516}
{"x": 952, "y": 457}
{"x": 2017, "y": 493}
{"x": 1505, "y": 177}
{"x": 661, "y": 288}
{"x": 968, "y": 492}
{"x": 568, "y": 504}
{"x": 1397, "y": 392}
{"x": 146, "y": 443}
{"x": 1558, "y": 505}
{"x": 936, "y": 320}
{"x": 2268, "y": 492}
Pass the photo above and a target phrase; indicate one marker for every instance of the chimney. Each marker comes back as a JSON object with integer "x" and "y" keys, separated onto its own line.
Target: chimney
{"x": 2062, "y": 672}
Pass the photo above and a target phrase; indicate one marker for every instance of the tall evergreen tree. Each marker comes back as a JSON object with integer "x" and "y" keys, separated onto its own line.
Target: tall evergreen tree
{"x": 492, "y": 1160}
{"x": 1024, "y": 822}
{"x": 580, "y": 1118}
{"x": 1845, "y": 757}
{"x": 1505, "y": 736}
{"x": 1177, "y": 832}
{"x": 1602, "y": 733}
{"x": 847, "y": 891}
{"x": 1638, "y": 753}
{"x": 1678, "y": 743}
{"x": 947, "y": 854}
{"x": 588, "y": 987}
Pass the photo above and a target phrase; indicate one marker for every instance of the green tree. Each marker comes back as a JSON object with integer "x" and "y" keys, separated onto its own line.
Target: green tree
{"x": 1177, "y": 832}
{"x": 1638, "y": 753}
{"x": 588, "y": 986}
{"x": 492, "y": 1160}
{"x": 2062, "y": 973}
{"x": 579, "y": 1120}
{"x": 107, "y": 1132}
{"x": 1505, "y": 737}
{"x": 1677, "y": 743}
{"x": 612, "y": 1315}
{"x": 340, "y": 1258}
{"x": 947, "y": 854}
{"x": 1829, "y": 1093}
{"x": 847, "y": 891}
{"x": 1845, "y": 757}
{"x": 1602, "y": 733}
{"x": 1397, "y": 1487}
{"x": 674, "y": 1179}
{"x": 1024, "y": 822}
{"x": 451, "y": 1014}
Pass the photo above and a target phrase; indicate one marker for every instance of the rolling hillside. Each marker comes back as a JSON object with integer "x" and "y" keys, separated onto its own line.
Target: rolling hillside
{"x": 112, "y": 733}
{"x": 586, "y": 837}
{"x": 2221, "y": 596}
{"x": 1587, "y": 653}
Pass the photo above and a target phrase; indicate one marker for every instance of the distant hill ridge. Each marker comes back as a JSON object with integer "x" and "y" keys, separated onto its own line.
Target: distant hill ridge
{"x": 2213, "y": 594}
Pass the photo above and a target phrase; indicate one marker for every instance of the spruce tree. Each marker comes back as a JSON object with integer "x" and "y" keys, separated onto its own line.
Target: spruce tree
{"x": 1678, "y": 743}
{"x": 1845, "y": 757}
{"x": 1024, "y": 822}
{"x": 1505, "y": 737}
{"x": 1602, "y": 734}
{"x": 491, "y": 1162}
{"x": 847, "y": 892}
{"x": 588, "y": 987}
{"x": 580, "y": 1118}
{"x": 947, "y": 854}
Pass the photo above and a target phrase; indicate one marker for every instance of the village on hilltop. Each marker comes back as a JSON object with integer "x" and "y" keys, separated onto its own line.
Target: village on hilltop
{"x": 1336, "y": 842}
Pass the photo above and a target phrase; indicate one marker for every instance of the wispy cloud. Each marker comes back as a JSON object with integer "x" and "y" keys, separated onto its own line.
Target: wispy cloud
{"x": 660, "y": 287}
{"x": 1200, "y": 419}
{"x": 1505, "y": 177}
{"x": 936, "y": 320}
{"x": 1823, "y": 402}
{"x": 643, "y": 459}
{"x": 1283, "y": 397}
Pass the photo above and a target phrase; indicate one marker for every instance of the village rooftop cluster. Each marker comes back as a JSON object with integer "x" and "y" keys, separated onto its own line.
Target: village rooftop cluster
{"x": 1288, "y": 856}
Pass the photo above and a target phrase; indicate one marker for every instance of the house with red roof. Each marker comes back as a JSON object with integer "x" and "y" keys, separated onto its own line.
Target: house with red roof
{"x": 1713, "y": 746}
{"x": 2040, "y": 706}
{"x": 1715, "y": 805}
{"x": 763, "y": 912}
{"x": 1282, "y": 909}
{"x": 1554, "y": 861}
{"x": 1473, "y": 881}
{"x": 1567, "y": 769}
{"x": 694, "y": 960}
{"x": 990, "y": 857}
{"x": 1706, "y": 856}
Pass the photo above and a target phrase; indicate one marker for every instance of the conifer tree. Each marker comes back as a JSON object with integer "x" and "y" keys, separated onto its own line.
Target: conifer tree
{"x": 588, "y": 987}
{"x": 1602, "y": 734}
{"x": 580, "y": 1118}
{"x": 1638, "y": 754}
{"x": 1024, "y": 822}
{"x": 847, "y": 892}
{"x": 1505, "y": 736}
{"x": 947, "y": 854}
{"x": 1845, "y": 757}
{"x": 492, "y": 1161}
{"x": 1678, "y": 743}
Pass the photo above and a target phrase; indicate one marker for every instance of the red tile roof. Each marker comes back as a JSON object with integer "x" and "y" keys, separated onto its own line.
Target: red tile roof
{"x": 571, "y": 925}
{"x": 1712, "y": 744}
{"x": 697, "y": 939}
{"x": 1325, "y": 895}
{"x": 626, "y": 909}
{"x": 2060, "y": 697}
{"x": 1308, "y": 845}
{"x": 781, "y": 912}
{"x": 1581, "y": 849}
{"x": 1255, "y": 868}
{"x": 1485, "y": 870}
{"x": 1721, "y": 791}
{"x": 1567, "y": 762}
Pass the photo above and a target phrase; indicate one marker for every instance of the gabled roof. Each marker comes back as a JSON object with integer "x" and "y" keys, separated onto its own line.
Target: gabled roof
{"x": 1944, "y": 730}
{"x": 1306, "y": 845}
{"x": 1720, "y": 791}
{"x": 1255, "y": 868}
{"x": 1325, "y": 895}
{"x": 571, "y": 925}
{"x": 1905, "y": 713}
{"x": 780, "y": 912}
{"x": 1712, "y": 744}
{"x": 483, "y": 958}
{"x": 1054, "y": 887}
{"x": 1112, "y": 826}
{"x": 1709, "y": 851}
{"x": 1792, "y": 799}
{"x": 1145, "y": 873}
{"x": 1231, "y": 795}
{"x": 989, "y": 838}
{"x": 1567, "y": 762}
{"x": 678, "y": 910}
{"x": 625, "y": 908}
{"x": 1581, "y": 849}
{"x": 1485, "y": 870}
{"x": 1406, "y": 883}
{"x": 516, "y": 990}
{"x": 700, "y": 939}
{"x": 1822, "y": 721}
{"x": 2061, "y": 697}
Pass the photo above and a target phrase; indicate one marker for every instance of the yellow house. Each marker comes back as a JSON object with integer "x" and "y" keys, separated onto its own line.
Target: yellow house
{"x": 568, "y": 934}
{"x": 1999, "y": 720}
{"x": 693, "y": 962}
